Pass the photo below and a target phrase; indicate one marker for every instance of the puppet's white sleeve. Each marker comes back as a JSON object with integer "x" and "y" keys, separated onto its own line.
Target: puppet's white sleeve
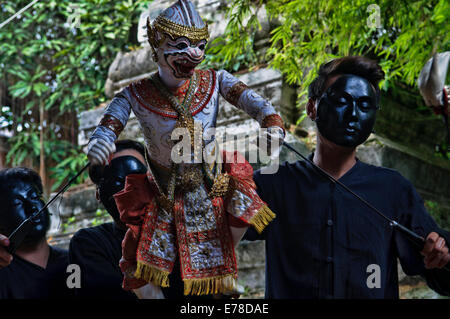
{"x": 431, "y": 81}
{"x": 115, "y": 117}
{"x": 246, "y": 99}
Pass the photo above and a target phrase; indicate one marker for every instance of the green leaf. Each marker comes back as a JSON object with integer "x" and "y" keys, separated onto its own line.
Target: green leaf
{"x": 20, "y": 89}
{"x": 110, "y": 35}
{"x": 39, "y": 88}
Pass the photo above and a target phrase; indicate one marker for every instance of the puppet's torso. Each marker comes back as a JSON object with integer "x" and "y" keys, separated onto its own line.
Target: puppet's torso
{"x": 158, "y": 119}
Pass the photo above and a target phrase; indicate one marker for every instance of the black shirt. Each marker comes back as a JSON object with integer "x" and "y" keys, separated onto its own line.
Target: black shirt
{"x": 323, "y": 240}
{"x": 97, "y": 250}
{"x": 25, "y": 280}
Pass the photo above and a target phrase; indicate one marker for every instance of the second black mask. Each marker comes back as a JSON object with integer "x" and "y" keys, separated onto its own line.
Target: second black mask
{"x": 113, "y": 178}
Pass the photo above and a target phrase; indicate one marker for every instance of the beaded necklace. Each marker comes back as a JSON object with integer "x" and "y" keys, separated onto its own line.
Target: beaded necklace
{"x": 192, "y": 176}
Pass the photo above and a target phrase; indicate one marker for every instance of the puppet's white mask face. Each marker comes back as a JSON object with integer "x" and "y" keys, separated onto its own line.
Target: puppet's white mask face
{"x": 178, "y": 59}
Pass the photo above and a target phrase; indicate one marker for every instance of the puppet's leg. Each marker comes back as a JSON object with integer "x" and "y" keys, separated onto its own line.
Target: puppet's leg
{"x": 237, "y": 233}
{"x": 148, "y": 250}
{"x": 149, "y": 291}
{"x": 237, "y": 226}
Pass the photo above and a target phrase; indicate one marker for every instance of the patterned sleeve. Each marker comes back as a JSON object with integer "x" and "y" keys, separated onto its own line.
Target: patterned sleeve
{"x": 241, "y": 96}
{"x": 115, "y": 117}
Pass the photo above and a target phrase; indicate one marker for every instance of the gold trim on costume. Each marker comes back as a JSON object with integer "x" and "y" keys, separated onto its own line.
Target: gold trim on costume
{"x": 262, "y": 218}
{"x": 174, "y": 30}
{"x": 220, "y": 186}
{"x": 210, "y": 285}
{"x": 152, "y": 274}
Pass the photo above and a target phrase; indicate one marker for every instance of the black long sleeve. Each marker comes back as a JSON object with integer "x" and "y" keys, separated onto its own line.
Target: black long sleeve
{"x": 414, "y": 216}
{"x": 97, "y": 250}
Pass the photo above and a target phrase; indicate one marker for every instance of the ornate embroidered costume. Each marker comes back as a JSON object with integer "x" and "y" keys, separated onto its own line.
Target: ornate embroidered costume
{"x": 185, "y": 208}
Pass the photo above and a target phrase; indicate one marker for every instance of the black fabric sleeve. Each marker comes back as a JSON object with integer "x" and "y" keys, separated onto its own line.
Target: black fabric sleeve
{"x": 413, "y": 215}
{"x": 100, "y": 277}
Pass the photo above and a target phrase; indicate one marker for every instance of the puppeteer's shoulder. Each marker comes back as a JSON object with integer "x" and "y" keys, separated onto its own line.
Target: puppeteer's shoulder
{"x": 90, "y": 234}
{"x": 389, "y": 175}
{"x": 275, "y": 172}
{"x": 59, "y": 253}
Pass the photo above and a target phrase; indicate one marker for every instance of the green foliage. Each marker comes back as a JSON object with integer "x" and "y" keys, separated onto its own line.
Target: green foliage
{"x": 69, "y": 222}
{"x": 234, "y": 49}
{"x": 440, "y": 214}
{"x": 307, "y": 33}
{"x": 73, "y": 161}
{"x": 45, "y": 62}
{"x": 101, "y": 216}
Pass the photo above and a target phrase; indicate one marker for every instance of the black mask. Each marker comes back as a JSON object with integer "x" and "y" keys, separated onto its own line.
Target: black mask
{"x": 20, "y": 201}
{"x": 113, "y": 180}
{"x": 346, "y": 112}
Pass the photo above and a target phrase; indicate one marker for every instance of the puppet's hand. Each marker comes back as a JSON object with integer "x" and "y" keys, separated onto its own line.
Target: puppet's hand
{"x": 270, "y": 140}
{"x": 99, "y": 151}
{"x": 435, "y": 251}
{"x": 5, "y": 257}
{"x": 149, "y": 291}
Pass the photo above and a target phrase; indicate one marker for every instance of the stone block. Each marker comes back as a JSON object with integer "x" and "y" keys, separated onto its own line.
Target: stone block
{"x": 251, "y": 259}
{"x": 81, "y": 202}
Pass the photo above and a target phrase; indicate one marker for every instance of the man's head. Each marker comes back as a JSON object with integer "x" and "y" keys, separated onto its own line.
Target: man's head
{"x": 129, "y": 158}
{"x": 178, "y": 37}
{"x": 21, "y": 197}
{"x": 344, "y": 99}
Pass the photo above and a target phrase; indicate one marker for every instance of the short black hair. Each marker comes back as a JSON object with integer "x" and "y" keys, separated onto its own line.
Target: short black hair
{"x": 130, "y": 144}
{"x": 356, "y": 65}
{"x": 8, "y": 175}
{"x": 95, "y": 172}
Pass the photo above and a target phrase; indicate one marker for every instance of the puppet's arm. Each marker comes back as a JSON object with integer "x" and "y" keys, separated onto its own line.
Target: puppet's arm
{"x": 101, "y": 144}
{"x": 246, "y": 99}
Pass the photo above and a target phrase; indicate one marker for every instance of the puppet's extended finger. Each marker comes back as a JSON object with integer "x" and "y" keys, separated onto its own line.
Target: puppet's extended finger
{"x": 107, "y": 149}
{"x": 112, "y": 148}
{"x": 99, "y": 156}
{"x": 107, "y": 146}
{"x": 94, "y": 159}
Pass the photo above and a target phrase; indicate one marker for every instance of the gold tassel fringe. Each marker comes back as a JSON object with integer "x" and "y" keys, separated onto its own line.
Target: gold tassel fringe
{"x": 262, "y": 218}
{"x": 152, "y": 274}
{"x": 211, "y": 285}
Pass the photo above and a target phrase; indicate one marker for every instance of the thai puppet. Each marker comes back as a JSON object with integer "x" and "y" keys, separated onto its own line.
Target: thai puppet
{"x": 193, "y": 209}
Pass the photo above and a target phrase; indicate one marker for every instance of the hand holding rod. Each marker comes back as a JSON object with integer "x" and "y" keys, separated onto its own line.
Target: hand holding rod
{"x": 417, "y": 240}
{"x": 18, "y": 235}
